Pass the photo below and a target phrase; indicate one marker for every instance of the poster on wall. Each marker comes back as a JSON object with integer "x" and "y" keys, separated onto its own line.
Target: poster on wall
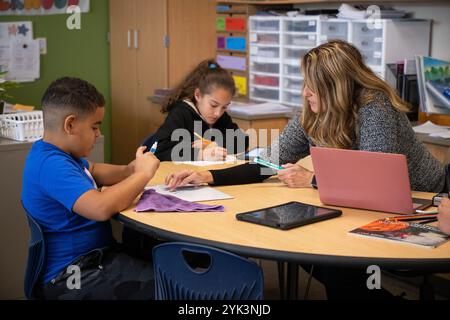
{"x": 40, "y": 7}
{"x": 19, "y": 53}
{"x": 17, "y": 30}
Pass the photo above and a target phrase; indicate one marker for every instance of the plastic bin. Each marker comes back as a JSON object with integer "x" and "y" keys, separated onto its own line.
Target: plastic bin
{"x": 265, "y": 94}
{"x": 265, "y": 52}
{"x": 333, "y": 29}
{"x": 292, "y": 98}
{"x": 264, "y": 38}
{"x": 296, "y": 54}
{"x": 293, "y": 84}
{"x": 265, "y": 67}
{"x": 258, "y": 25}
{"x": 292, "y": 70}
{"x": 367, "y": 43}
{"x": 301, "y": 25}
{"x": 362, "y": 29}
{"x": 303, "y": 40}
{"x": 265, "y": 80}
{"x": 372, "y": 58}
{"x": 26, "y": 126}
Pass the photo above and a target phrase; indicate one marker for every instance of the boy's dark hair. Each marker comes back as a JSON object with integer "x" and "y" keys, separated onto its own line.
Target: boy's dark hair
{"x": 67, "y": 96}
{"x": 208, "y": 75}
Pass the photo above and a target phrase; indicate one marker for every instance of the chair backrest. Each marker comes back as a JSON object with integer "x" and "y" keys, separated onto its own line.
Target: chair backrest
{"x": 149, "y": 141}
{"x": 225, "y": 276}
{"x": 36, "y": 258}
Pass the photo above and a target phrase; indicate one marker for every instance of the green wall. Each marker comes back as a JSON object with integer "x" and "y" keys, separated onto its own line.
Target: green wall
{"x": 79, "y": 53}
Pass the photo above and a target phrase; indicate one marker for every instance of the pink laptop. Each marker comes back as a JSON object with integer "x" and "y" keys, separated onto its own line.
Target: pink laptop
{"x": 366, "y": 180}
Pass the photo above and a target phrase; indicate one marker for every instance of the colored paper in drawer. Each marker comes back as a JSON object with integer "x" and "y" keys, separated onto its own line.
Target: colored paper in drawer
{"x": 230, "y": 62}
{"x": 241, "y": 85}
{"x": 236, "y": 43}
{"x": 235, "y": 24}
{"x": 220, "y": 24}
{"x": 221, "y": 43}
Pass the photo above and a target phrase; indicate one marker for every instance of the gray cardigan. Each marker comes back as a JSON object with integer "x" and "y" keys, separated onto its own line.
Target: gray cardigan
{"x": 380, "y": 128}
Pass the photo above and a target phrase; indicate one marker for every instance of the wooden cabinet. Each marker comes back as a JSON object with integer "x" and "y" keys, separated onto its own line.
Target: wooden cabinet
{"x": 153, "y": 45}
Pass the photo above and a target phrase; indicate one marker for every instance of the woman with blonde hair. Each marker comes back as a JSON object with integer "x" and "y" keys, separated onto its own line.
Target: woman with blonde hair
{"x": 346, "y": 106}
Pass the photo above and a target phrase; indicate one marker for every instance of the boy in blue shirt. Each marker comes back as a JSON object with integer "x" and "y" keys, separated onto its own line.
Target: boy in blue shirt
{"x": 60, "y": 192}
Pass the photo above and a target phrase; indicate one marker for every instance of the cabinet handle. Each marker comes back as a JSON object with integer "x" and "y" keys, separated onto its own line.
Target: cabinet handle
{"x": 136, "y": 39}
{"x": 129, "y": 39}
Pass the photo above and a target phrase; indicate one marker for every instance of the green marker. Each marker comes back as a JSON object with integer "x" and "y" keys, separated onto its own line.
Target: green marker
{"x": 267, "y": 164}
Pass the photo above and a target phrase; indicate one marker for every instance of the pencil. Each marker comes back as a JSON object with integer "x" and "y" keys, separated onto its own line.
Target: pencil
{"x": 428, "y": 221}
{"x": 202, "y": 139}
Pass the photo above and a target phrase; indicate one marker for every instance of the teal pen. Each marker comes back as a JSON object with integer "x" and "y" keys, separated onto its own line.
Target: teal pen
{"x": 267, "y": 164}
{"x": 154, "y": 147}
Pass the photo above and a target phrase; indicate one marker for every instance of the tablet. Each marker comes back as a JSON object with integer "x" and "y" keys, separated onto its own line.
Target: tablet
{"x": 289, "y": 215}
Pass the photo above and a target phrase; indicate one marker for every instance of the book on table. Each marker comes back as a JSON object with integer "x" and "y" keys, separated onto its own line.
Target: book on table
{"x": 403, "y": 232}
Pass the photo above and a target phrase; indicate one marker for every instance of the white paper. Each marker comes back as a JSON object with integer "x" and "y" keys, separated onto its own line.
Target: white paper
{"x": 25, "y": 60}
{"x": 430, "y": 128}
{"x": 230, "y": 159}
{"x": 442, "y": 134}
{"x": 5, "y": 56}
{"x": 192, "y": 193}
{"x": 259, "y": 109}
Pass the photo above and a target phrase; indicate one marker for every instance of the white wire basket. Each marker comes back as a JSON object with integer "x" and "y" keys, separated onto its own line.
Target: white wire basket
{"x": 25, "y": 126}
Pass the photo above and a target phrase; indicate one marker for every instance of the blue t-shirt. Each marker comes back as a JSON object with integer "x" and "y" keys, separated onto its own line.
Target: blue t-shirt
{"x": 52, "y": 182}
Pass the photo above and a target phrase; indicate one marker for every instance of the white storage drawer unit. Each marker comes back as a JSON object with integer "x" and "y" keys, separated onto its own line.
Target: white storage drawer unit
{"x": 278, "y": 44}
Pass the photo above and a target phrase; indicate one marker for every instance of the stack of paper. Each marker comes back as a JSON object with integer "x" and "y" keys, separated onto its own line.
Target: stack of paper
{"x": 259, "y": 109}
{"x": 192, "y": 193}
{"x": 433, "y": 130}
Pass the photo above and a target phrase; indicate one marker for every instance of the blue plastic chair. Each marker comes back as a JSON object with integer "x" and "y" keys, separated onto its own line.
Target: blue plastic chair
{"x": 226, "y": 277}
{"x": 36, "y": 259}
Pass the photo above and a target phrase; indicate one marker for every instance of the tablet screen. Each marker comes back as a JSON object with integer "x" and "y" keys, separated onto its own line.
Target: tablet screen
{"x": 289, "y": 215}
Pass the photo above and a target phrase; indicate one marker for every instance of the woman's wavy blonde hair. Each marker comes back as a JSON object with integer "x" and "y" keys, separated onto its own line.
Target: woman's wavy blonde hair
{"x": 335, "y": 72}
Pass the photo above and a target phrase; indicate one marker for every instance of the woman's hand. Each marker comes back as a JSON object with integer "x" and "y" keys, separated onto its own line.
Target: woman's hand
{"x": 182, "y": 178}
{"x": 444, "y": 216}
{"x": 295, "y": 176}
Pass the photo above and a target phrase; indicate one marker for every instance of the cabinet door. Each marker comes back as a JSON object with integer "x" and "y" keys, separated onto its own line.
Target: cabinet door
{"x": 151, "y": 61}
{"x": 192, "y": 32}
{"x": 123, "y": 80}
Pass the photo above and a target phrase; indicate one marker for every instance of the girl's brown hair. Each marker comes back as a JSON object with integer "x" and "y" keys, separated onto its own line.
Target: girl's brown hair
{"x": 336, "y": 73}
{"x": 207, "y": 76}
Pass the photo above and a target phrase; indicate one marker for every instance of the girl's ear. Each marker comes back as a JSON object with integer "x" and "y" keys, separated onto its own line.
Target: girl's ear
{"x": 197, "y": 94}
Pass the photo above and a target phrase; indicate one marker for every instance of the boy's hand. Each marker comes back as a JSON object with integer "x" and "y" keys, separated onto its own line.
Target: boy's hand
{"x": 145, "y": 162}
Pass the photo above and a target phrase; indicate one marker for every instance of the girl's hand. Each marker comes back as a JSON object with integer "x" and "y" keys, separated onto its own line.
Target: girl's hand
{"x": 295, "y": 176}
{"x": 203, "y": 144}
{"x": 213, "y": 153}
{"x": 182, "y": 178}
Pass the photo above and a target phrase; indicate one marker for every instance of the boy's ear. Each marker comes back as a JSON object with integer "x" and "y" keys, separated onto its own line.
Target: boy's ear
{"x": 69, "y": 123}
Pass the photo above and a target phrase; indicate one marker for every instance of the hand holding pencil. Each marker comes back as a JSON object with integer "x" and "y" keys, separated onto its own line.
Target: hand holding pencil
{"x": 209, "y": 150}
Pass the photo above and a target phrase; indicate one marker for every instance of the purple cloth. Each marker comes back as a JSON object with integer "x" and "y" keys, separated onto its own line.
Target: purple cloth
{"x": 154, "y": 201}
